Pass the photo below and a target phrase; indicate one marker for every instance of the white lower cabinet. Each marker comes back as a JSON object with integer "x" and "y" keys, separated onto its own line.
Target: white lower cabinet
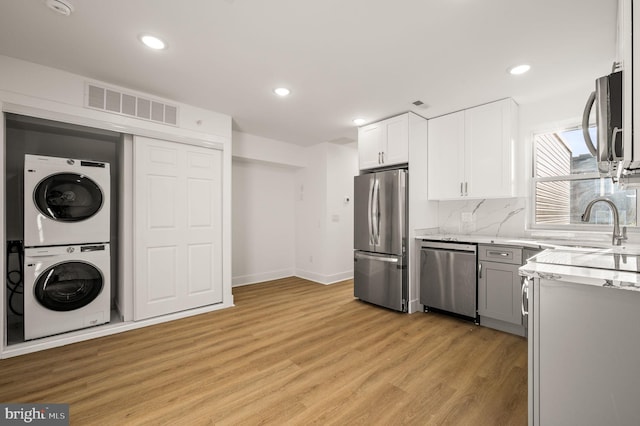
{"x": 177, "y": 227}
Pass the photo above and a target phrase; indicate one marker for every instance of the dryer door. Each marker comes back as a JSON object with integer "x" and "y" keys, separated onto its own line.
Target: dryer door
{"x": 68, "y": 197}
{"x": 68, "y": 286}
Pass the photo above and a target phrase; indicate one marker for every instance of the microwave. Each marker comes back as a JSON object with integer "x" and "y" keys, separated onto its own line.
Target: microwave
{"x": 609, "y": 145}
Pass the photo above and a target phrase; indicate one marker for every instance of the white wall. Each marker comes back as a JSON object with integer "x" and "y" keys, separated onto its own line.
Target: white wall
{"x": 265, "y": 150}
{"x": 306, "y": 230}
{"x": 310, "y": 225}
{"x": 324, "y": 222}
{"x": 54, "y": 93}
{"x": 263, "y": 214}
{"x": 342, "y": 166}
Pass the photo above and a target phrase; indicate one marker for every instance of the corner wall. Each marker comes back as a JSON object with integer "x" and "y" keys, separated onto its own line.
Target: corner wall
{"x": 289, "y": 211}
{"x": 263, "y": 212}
{"x": 324, "y": 220}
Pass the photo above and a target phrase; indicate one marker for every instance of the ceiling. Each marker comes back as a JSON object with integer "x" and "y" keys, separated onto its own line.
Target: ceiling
{"x": 341, "y": 58}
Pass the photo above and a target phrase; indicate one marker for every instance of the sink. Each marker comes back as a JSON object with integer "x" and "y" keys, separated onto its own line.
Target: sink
{"x": 577, "y": 243}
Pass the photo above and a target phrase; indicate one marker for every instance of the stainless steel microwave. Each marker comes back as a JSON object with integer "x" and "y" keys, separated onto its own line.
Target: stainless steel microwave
{"x": 609, "y": 146}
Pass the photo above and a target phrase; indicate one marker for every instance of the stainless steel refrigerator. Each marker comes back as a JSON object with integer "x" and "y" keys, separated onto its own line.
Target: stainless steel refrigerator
{"x": 380, "y": 238}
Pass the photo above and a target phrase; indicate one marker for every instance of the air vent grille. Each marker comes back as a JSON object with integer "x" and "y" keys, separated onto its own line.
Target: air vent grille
{"x": 130, "y": 105}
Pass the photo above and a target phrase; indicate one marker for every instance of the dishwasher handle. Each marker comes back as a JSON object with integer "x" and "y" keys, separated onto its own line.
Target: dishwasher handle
{"x": 448, "y": 245}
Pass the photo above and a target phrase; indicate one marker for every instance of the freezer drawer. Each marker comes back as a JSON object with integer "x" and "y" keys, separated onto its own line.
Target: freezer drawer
{"x": 381, "y": 280}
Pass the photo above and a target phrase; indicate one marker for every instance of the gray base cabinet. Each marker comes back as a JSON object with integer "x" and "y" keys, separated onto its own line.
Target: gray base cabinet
{"x": 499, "y": 288}
{"x": 584, "y": 342}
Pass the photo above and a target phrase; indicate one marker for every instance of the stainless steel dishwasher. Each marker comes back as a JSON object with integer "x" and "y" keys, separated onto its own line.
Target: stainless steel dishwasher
{"x": 448, "y": 278}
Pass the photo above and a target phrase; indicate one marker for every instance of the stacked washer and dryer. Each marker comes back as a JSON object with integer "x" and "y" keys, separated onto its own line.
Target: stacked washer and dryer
{"x": 67, "y": 259}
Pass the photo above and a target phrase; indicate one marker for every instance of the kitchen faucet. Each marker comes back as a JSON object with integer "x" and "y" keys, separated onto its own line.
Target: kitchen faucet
{"x": 618, "y": 237}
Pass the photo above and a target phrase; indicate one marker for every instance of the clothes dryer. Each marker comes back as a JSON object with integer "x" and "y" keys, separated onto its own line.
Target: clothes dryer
{"x": 66, "y": 201}
{"x": 65, "y": 288}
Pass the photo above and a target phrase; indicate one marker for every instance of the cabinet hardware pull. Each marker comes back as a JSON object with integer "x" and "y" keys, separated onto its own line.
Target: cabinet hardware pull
{"x": 378, "y": 157}
{"x": 465, "y": 189}
{"x": 461, "y": 193}
{"x": 524, "y": 295}
{"x": 498, "y": 253}
{"x": 382, "y": 157}
{"x": 479, "y": 270}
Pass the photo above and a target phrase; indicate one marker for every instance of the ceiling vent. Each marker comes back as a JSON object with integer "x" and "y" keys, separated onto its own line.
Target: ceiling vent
{"x": 420, "y": 104}
{"x": 117, "y": 102}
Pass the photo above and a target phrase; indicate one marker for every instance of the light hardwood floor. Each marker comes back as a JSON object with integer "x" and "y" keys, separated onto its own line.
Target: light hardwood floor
{"x": 290, "y": 352}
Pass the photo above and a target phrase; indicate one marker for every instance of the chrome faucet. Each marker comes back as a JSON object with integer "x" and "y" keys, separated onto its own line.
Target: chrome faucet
{"x": 618, "y": 237}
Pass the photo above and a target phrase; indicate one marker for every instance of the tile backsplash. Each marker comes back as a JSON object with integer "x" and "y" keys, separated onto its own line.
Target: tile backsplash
{"x": 504, "y": 217}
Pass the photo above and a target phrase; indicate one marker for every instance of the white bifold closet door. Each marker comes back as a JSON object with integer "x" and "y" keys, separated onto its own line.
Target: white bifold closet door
{"x": 177, "y": 226}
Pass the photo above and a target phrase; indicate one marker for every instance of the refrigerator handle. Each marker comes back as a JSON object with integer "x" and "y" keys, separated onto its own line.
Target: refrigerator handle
{"x": 370, "y": 213}
{"x": 376, "y": 211}
{"x": 388, "y": 259}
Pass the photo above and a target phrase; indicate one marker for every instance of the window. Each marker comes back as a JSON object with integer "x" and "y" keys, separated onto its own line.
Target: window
{"x": 566, "y": 179}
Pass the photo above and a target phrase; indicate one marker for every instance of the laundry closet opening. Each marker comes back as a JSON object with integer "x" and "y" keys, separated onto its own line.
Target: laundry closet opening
{"x": 91, "y": 200}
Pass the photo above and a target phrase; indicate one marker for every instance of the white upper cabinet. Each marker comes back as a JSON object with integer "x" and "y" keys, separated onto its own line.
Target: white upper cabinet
{"x": 446, "y": 156}
{"x": 471, "y": 153}
{"x": 384, "y": 143}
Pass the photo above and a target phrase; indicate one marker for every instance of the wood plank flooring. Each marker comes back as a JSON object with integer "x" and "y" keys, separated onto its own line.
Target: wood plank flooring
{"x": 290, "y": 352}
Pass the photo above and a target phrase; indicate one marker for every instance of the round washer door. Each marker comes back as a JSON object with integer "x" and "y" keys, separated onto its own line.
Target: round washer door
{"x": 68, "y": 197}
{"x": 68, "y": 286}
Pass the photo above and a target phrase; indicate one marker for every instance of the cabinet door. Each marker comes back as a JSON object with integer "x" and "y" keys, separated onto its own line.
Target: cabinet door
{"x": 396, "y": 146}
{"x": 585, "y": 348}
{"x": 488, "y": 150}
{"x": 370, "y": 140}
{"x": 446, "y": 159}
{"x": 178, "y": 227}
{"x": 499, "y": 292}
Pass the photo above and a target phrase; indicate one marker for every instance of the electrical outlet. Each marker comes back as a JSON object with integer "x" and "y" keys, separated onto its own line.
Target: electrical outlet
{"x": 466, "y": 217}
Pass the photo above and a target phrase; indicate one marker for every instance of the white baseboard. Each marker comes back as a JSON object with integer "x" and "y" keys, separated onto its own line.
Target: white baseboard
{"x": 324, "y": 279}
{"x": 261, "y": 277}
{"x": 284, "y": 273}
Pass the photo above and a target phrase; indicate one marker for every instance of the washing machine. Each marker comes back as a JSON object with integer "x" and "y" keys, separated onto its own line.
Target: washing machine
{"x": 66, "y": 201}
{"x": 65, "y": 288}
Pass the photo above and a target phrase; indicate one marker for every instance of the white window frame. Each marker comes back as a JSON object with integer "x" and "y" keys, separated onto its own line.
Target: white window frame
{"x": 586, "y": 227}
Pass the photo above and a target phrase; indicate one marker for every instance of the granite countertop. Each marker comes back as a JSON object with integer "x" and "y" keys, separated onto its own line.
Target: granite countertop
{"x": 482, "y": 239}
{"x": 537, "y": 242}
{"x": 581, "y": 274}
{"x": 586, "y": 262}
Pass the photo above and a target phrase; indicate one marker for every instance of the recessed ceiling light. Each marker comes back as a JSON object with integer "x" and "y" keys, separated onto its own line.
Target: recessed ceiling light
{"x": 519, "y": 69}
{"x": 282, "y": 91}
{"x": 153, "y": 42}
{"x": 359, "y": 121}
